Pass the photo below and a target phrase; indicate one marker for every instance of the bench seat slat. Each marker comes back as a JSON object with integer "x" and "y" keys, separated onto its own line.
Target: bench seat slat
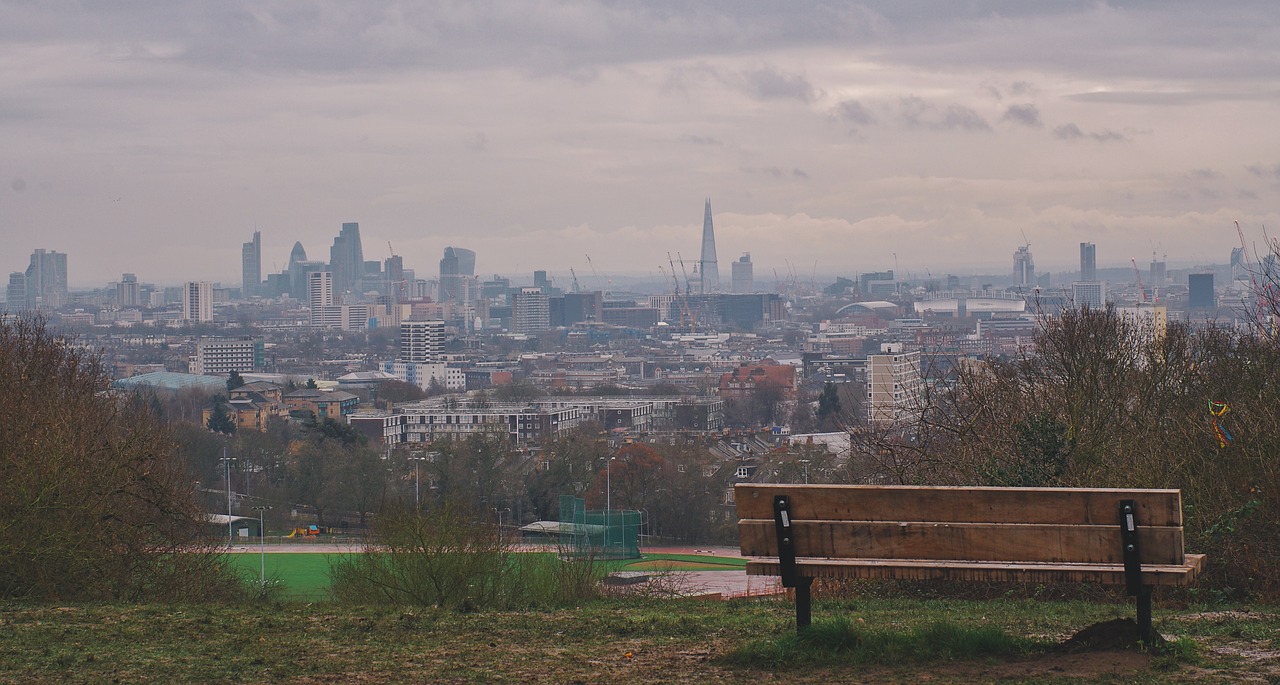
{"x": 959, "y": 504}
{"x": 1000, "y": 542}
{"x": 900, "y": 569}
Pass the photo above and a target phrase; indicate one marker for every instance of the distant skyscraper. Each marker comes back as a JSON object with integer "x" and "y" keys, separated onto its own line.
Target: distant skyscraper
{"x": 707, "y": 265}
{"x": 742, "y": 274}
{"x": 251, "y": 266}
{"x": 457, "y": 265}
{"x": 1200, "y": 291}
{"x": 15, "y": 296}
{"x": 47, "y": 280}
{"x": 1157, "y": 276}
{"x": 128, "y": 293}
{"x": 346, "y": 258}
{"x": 320, "y": 292}
{"x": 1088, "y": 262}
{"x": 1024, "y": 268}
{"x": 197, "y": 301}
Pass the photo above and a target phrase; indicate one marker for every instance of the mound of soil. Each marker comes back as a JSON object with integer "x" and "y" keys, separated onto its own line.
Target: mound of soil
{"x": 1120, "y": 633}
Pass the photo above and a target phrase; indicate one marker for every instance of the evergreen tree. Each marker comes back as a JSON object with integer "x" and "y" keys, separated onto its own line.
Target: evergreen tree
{"x": 220, "y": 420}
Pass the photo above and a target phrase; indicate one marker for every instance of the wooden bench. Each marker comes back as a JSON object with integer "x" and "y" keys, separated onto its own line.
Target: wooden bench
{"x": 1044, "y": 535}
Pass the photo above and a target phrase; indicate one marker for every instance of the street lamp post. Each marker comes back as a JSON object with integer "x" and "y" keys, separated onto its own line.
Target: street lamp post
{"x": 262, "y": 542}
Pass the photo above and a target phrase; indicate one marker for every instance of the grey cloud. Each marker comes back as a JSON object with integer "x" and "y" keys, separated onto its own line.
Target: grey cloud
{"x": 702, "y": 140}
{"x": 1068, "y": 132}
{"x": 914, "y": 112}
{"x": 1264, "y": 171}
{"x": 768, "y": 83}
{"x": 478, "y": 143}
{"x": 800, "y": 173}
{"x": 1073, "y": 132}
{"x": 1021, "y": 88}
{"x": 854, "y": 111}
{"x": 1203, "y": 174}
{"x": 1171, "y": 98}
{"x": 19, "y": 185}
{"x": 1027, "y": 115}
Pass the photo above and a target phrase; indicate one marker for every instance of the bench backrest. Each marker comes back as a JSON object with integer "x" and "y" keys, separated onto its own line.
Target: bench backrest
{"x": 1062, "y": 525}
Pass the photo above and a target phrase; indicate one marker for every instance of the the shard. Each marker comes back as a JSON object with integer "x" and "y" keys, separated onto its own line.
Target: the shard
{"x": 707, "y": 266}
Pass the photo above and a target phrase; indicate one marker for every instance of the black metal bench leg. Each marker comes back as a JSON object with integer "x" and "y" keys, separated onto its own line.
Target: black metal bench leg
{"x": 1145, "y": 631}
{"x": 804, "y": 610}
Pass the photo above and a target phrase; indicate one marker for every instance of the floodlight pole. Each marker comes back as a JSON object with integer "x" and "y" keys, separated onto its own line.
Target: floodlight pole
{"x": 608, "y": 501}
{"x": 226, "y": 465}
{"x": 262, "y": 542}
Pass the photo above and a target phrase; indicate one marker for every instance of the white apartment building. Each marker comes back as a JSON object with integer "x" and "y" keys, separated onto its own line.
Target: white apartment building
{"x": 894, "y": 383}
{"x": 221, "y": 356}
{"x": 197, "y": 301}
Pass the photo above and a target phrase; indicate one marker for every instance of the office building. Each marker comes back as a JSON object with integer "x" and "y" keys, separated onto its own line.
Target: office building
{"x": 1088, "y": 262}
{"x": 457, "y": 266}
{"x": 346, "y": 258}
{"x": 128, "y": 292}
{"x": 46, "y": 280}
{"x": 197, "y": 301}
{"x": 708, "y": 268}
{"x": 1200, "y": 291}
{"x": 251, "y": 267}
{"x": 15, "y": 295}
{"x": 1091, "y": 294}
{"x": 742, "y": 274}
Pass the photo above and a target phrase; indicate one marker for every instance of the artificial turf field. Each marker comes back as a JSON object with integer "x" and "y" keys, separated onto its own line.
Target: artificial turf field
{"x": 305, "y": 575}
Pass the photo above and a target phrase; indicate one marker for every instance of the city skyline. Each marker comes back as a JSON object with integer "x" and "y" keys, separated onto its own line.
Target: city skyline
{"x": 833, "y": 137}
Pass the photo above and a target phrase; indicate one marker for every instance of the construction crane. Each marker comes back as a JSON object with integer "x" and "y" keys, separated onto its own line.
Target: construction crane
{"x": 398, "y": 293}
{"x": 1142, "y": 290}
{"x": 682, "y": 299}
{"x": 599, "y": 281}
{"x": 576, "y": 289}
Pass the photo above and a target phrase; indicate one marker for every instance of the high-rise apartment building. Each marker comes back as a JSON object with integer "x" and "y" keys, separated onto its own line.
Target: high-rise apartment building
{"x": 197, "y": 301}
{"x": 708, "y": 268}
{"x": 319, "y": 294}
{"x": 128, "y": 292}
{"x": 743, "y": 276}
{"x": 530, "y": 311}
{"x": 346, "y": 258}
{"x": 1158, "y": 275}
{"x": 1024, "y": 268}
{"x": 894, "y": 383}
{"x": 1088, "y": 262}
{"x": 251, "y": 266}
{"x": 421, "y": 342}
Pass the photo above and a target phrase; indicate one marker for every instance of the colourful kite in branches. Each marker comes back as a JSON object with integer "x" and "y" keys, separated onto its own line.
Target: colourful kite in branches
{"x": 1217, "y": 410}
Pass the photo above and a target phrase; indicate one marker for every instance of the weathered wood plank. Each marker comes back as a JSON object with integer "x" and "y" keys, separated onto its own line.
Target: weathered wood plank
{"x": 1162, "y": 508}
{"x": 963, "y": 541}
{"x": 897, "y": 569}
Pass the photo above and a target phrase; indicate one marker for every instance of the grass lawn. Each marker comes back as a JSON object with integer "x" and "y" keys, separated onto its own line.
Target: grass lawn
{"x": 624, "y": 641}
{"x": 305, "y": 575}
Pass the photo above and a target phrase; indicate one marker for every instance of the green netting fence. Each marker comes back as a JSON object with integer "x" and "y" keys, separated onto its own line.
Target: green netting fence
{"x": 601, "y": 534}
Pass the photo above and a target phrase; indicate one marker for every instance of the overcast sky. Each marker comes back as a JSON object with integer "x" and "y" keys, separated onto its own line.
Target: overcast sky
{"x": 152, "y": 137}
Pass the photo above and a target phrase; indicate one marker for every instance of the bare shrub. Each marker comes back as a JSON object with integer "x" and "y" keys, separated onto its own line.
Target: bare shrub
{"x": 94, "y": 503}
